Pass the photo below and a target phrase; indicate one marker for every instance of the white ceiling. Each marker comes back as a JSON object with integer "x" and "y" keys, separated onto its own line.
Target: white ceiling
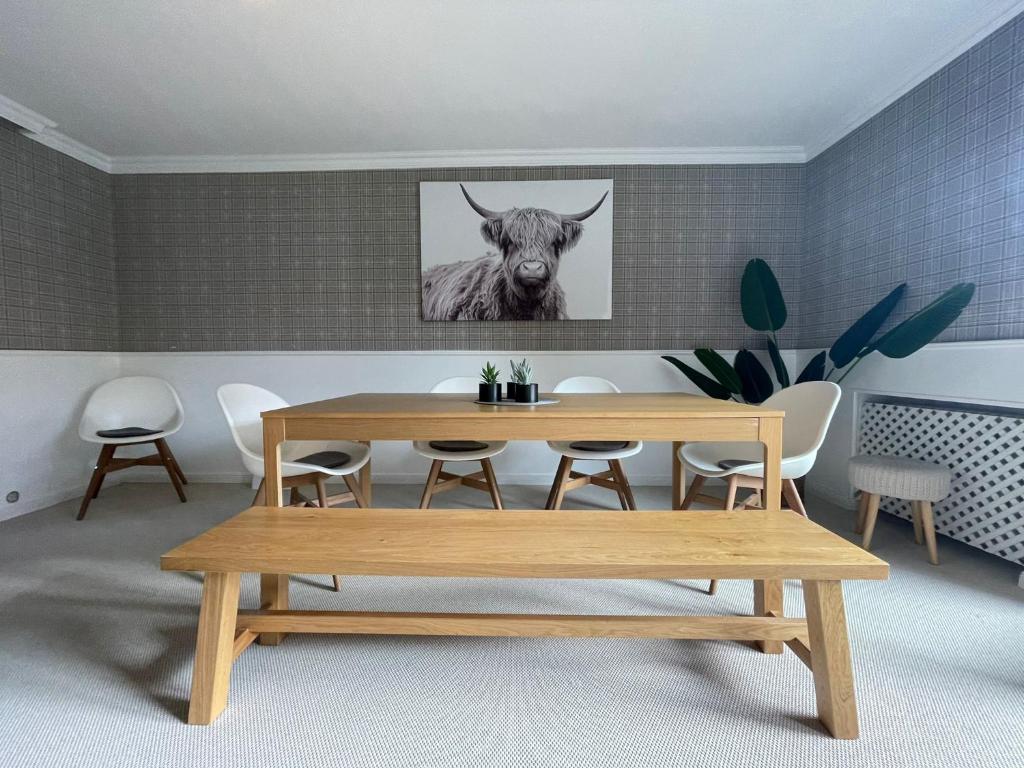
{"x": 139, "y": 81}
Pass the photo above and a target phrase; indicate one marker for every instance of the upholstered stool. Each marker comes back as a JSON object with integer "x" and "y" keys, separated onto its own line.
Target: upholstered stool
{"x": 919, "y": 482}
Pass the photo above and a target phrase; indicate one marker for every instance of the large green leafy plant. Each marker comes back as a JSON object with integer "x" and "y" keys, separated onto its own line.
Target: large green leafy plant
{"x": 764, "y": 309}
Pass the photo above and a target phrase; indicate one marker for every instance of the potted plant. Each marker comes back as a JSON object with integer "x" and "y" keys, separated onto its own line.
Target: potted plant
{"x": 490, "y": 389}
{"x": 526, "y": 390}
{"x": 764, "y": 309}
{"x": 511, "y": 385}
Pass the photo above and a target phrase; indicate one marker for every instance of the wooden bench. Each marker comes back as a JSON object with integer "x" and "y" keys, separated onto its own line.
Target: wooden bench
{"x": 764, "y": 546}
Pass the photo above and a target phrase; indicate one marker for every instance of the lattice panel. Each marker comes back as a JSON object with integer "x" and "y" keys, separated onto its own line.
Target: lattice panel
{"x": 985, "y": 451}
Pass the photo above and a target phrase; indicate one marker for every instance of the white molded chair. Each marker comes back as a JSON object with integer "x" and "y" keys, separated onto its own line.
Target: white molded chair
{"x": 302, "y": 463}
{"x": 591, "y": 450}
{"x": 132, "y": 410}
{"x": 442, "y": 451}
{"x": 809, "y": 408}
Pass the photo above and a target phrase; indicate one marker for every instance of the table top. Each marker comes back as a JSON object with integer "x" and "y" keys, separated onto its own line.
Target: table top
{"x": 584, "y": 406}
{"x": 750, "y": 544}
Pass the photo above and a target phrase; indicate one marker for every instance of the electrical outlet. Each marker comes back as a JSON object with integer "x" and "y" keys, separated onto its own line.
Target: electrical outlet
{"x": 13, "y": 496}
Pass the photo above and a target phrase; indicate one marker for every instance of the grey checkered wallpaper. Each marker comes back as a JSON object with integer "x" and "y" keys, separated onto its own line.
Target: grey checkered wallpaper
{"x": 930, "y": 191}
{"x": 330, "y": 260}
{"x": 57, "y": 283}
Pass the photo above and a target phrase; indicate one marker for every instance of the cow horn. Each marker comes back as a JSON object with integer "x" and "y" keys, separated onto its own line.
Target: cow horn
{"x": 582, "y": 214}
{"x": 486, "y": 213}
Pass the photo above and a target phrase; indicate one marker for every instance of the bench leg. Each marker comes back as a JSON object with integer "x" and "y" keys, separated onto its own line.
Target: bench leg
{"x": 214, "y": 647}
{"x": 273, "y": 596}
{"x": 768, "y": 602}
{"x": 830, "y": 657}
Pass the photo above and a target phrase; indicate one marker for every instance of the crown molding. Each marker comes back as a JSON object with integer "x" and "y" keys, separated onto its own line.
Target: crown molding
{"x": 912, "y": 78}
{"x": 44, "y": 130}
{"x": 352, "y": 161}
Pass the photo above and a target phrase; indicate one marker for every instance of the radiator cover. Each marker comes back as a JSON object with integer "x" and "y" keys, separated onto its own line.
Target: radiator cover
{"x": 984, "y": 450}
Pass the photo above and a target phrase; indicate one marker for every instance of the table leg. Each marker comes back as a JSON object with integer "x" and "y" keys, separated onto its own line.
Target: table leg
{"x": 678, "y": 476}
{"x": 830, "y": 657}
{"x": 214, "y": 647}
{"x": 770, "y": 433}
{"x": 366, "y": 479}
{"x": 768, "y": 602}
{"x": 273, "y": 596}
{"x": 273, "y": 436}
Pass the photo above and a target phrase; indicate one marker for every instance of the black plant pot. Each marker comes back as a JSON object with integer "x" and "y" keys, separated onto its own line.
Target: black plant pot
{"x": 490, "y": 393}
{"x": 526, "y": 393}
{"x": 510, "y": 390}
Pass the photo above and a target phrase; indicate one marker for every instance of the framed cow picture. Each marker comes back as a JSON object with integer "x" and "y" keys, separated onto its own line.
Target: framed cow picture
{"x": 516, "y": 250}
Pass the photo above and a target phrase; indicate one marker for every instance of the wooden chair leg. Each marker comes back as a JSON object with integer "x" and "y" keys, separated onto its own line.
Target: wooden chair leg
{"x": 618, "y": 488}
{"x": 355, "y": 487}
{"x": 168, "y": 462}
{"x": 174, "y": 461}
{"x": 695, "y": 487}
{"x": 713, "y": 587}
{"x": 428, "y": 489}
{"x": 554, "y": 482}
{"x": 492, "y": 483}
{"x": 928, "y": 524}
{"x": 768, "y": 600}
{"x": 260, "y": 499}
{"x": 730, "y": 494}
{"x": 215, "y": 642}
{"x": 623, "y": 481}
{"x": 870, "y": 517}
{"x": 273, "y": 596}
{"x": 321, "y": 497}
{"x": 93, "y": 490}
{"x": 563, "y": 475}
{"x": 792, "y": 495}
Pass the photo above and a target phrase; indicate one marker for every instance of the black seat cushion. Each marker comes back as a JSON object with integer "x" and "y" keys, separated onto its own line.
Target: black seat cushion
{"x": 326, "y": 459}
{"x": 457, "y": 446}
{"x": 733, "y": 463}
{"x": 598, "y": 446}
{"x": 127, "y": 432}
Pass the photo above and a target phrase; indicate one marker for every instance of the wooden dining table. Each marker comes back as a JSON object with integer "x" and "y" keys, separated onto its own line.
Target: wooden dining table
{"x": 670, "y": 417}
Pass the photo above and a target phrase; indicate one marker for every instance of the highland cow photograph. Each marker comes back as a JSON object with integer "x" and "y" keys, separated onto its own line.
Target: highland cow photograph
{"x": 516, "y": 250}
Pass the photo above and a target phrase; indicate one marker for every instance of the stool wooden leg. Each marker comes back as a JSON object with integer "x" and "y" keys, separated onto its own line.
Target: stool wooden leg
{"x": 862, "y": 511}
{"x": 915, "y": 514}
{"x": 768, "y": 601}
{"x": 428, "y": 489}
{"x": 870, "y": 517}
{"x": 928, "y": 524}
{"x": 830, "y": 657}
{"x": 215, "y": 642}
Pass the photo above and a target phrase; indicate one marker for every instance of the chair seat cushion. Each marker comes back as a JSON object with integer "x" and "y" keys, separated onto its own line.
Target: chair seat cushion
{"x": 457, "y": 446}
{"x": 899, "y": 477}
{"x": 733, "y": 463}
{"x": 127, "y": 432}
{"x": 598, "y": 446}
{"x": 325, "y": 459}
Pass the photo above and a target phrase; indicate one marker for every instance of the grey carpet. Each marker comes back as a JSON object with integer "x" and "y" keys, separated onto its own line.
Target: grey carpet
{"x": 97, "y": 648}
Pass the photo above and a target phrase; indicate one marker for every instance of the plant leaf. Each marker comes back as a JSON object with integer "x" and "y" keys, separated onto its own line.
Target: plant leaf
{"x": 925, "y": 324}
{"x": 720, "y": 368}
{"x": 858, "y": 336}
{"x": 781, "y": 374}
{"x": 757, "y": 384}
{"x": 706, "y": 384}
{"x": 761, "y": 300}
{"x": 814, "y": 370}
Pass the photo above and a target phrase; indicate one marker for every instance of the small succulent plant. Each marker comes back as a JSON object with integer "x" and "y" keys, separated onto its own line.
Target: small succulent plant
{"x": 521, "y": 372}
{"x": 489, "y": 374}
